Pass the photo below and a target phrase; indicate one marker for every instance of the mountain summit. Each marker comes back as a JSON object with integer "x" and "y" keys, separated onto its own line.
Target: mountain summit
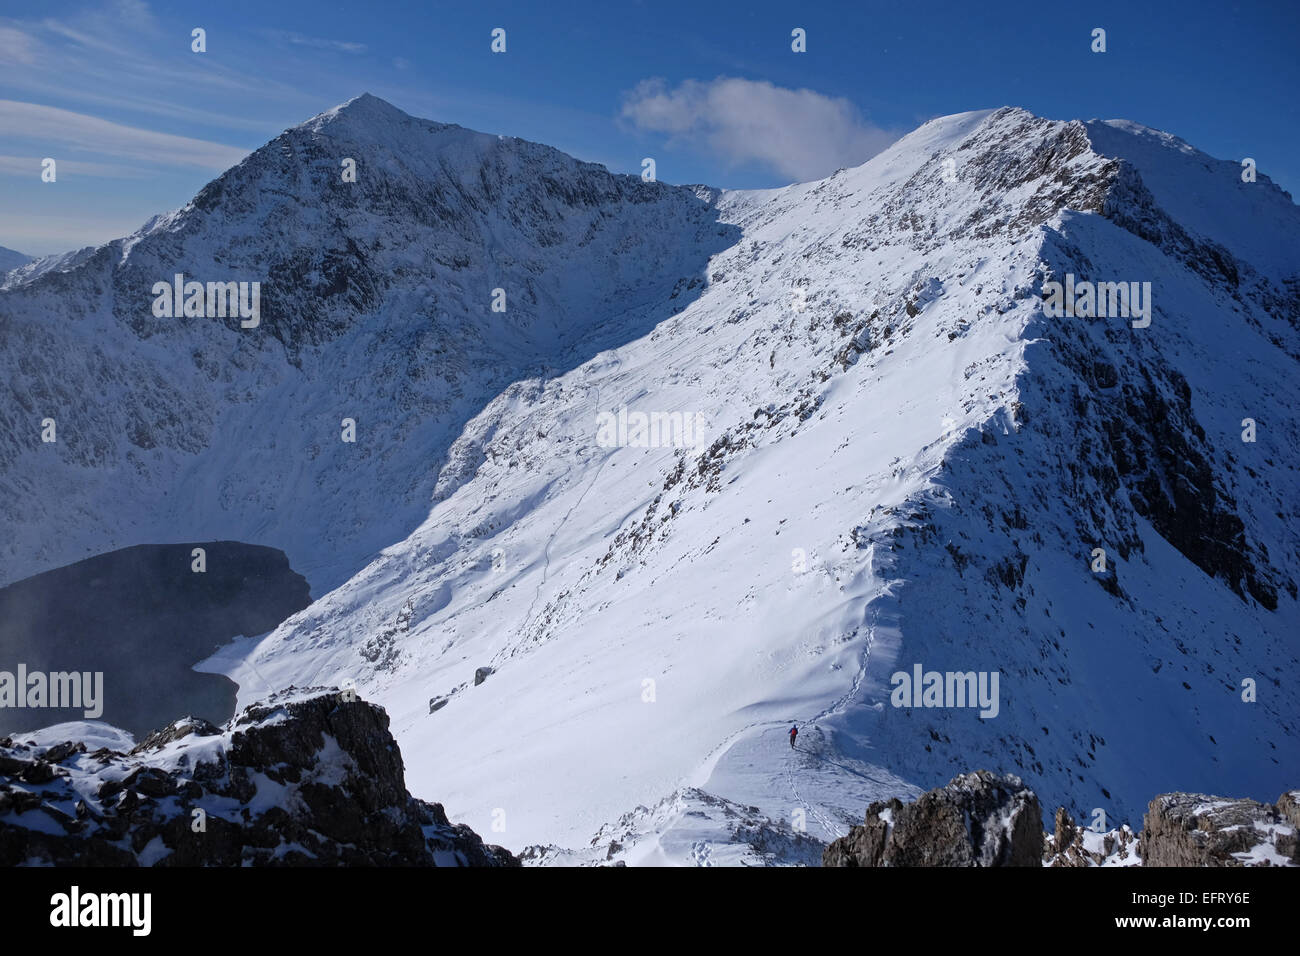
{"x": 986, "y": 467}
{"x": 376, "y": 304}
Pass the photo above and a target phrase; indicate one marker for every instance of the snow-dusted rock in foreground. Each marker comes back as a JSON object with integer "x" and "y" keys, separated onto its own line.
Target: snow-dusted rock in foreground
{"x": 1073, "y": 845}
{"x": 979, "y": 819}
{"x": 1192, "y": 829}
{"x": 982, "y": 819}
{"x": 305, "y": 778}
{"x": 689, "y": 827}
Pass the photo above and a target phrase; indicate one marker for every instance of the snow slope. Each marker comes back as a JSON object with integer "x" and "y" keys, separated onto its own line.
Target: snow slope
{"x": 906, "y": 462}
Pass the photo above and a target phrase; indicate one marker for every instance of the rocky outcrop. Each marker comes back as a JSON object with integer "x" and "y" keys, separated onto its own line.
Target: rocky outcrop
{"x": 979, "y": 819}
{"x": 982, "y": 819}
{"x": 305, "y": 778}
{"x": 1191, "y": 829}
{"x": 1073, "y": 845}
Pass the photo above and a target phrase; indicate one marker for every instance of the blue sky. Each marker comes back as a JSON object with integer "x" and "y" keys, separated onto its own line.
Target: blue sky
{"x": 712, "y": 90}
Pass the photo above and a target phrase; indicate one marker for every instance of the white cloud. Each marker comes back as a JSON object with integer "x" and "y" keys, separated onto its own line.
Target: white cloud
{"x": 57, "y": 128}
{"x": 799, "y": 133}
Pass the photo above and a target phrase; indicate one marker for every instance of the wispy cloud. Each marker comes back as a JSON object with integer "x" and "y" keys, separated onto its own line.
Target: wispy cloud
{"x": 82, "y": 38}
{"x": 81, "y": 132}
{"x": 117, "y": 54}
{"x": 16, "y": 47}
{"x": 799, "y": 133}
{"x": 31, "y": 166}
{"x": 104, "y": 28}
{"x": 317, "y": 43}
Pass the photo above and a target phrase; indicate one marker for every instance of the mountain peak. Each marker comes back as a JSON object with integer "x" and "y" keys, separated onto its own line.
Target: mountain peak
{"x": 366, "y": 104}
{"x": 365, "y": 111}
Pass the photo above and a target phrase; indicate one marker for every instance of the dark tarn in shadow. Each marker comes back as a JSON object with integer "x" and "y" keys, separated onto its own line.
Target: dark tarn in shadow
{"x": 143, "y": 617}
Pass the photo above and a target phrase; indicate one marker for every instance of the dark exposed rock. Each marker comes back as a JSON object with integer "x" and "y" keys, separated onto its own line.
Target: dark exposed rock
{"x": 979, "y": 819}
{"x": 39, "y": 772}
{"x": 304, "y": 778}
{"x": 1140, "y": 442}
{"x": 61, "y": 752}
{"x": 1192, "y": 829}
{"x": 1130, "y": 205}
{"x": 151, "y": 782}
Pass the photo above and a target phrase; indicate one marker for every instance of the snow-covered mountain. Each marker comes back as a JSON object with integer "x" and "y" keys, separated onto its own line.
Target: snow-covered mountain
{"x": 599, "y": 645}
{"x": 376, "y": 305}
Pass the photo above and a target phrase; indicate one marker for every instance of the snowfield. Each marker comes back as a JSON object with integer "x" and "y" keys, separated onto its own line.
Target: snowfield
{"x": 907, "y": 463}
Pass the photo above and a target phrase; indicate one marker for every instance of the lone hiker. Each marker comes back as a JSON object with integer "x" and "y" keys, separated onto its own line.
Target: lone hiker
{"x": 794, "y": 732}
